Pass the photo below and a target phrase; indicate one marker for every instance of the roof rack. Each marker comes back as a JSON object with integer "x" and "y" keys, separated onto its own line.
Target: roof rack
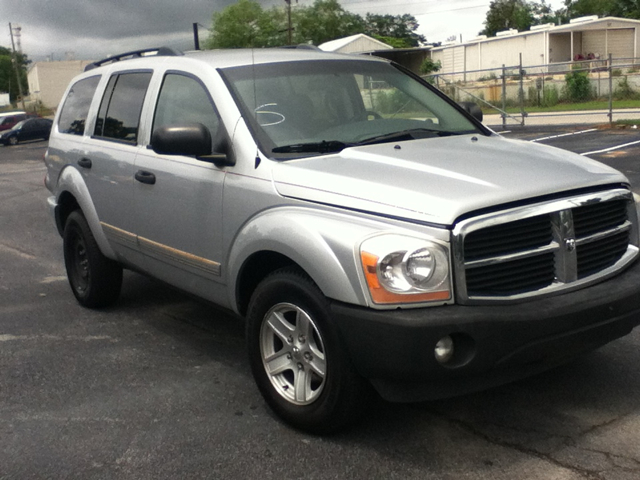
{"x": 302, "y": 46}
{"x": 158, "y": 52}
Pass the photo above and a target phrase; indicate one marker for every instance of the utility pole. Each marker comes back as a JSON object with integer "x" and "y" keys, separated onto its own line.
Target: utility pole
{"x": 289, "y": 28}
{"x": 196, "y": 38}
{"x": 17, "y": 69}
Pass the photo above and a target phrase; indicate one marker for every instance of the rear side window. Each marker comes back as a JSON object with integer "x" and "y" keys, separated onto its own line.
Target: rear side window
{"x": 119, "y": 114}
{"x": 76, "y": 106}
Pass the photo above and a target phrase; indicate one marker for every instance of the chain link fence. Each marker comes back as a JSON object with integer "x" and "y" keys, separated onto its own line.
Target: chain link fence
{"x": 517, "y": 88}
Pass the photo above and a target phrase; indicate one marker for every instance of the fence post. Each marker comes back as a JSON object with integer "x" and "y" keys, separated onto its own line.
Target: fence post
{"x": 610, "y": 89}
{"x": 504, "y": 97}
{"x": 521, "y": 91}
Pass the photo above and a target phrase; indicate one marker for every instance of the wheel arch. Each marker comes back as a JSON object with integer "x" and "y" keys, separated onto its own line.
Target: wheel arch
{"x": 73, "y": 194}
{"x": 320, "y": 245}
{"x": 255, "y": 269}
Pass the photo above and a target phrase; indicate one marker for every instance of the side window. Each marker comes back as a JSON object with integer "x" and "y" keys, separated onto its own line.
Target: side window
{"x": 185, "y": 100}
{"x": 76, "y": 106}
{"x": 119, "y": 114}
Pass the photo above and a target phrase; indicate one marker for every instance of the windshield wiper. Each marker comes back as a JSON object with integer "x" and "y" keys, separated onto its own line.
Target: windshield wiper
{"x": 410, "y": 134}
{"x": 313, "y": 147}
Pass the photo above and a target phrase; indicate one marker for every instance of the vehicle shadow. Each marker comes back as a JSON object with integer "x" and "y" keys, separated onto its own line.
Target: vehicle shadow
{"x": 201, "y": 326}
{"x": 538, "y": 414}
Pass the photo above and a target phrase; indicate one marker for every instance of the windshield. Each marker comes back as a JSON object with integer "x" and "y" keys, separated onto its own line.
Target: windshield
{"x": 323, "y": 106}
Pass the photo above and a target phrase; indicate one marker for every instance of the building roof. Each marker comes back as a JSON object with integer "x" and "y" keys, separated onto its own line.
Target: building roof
{"x": 575, "y": 25}
{"x": 340, "y": 43}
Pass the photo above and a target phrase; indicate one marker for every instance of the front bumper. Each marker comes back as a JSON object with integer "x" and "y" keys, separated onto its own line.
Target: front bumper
{"x": 395, "y": 349}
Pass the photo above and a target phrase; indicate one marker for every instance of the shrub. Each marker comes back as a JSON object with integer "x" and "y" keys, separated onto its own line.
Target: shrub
{"x": 624, "y": 91}
{"x": 533, "y": 96}
{"x": 392, "y": 102}
{"x": 550, "y": 96}
{"x": 491, "y": 76}
{"x": 578, "y": 86}
{"x": 428, "y": 66}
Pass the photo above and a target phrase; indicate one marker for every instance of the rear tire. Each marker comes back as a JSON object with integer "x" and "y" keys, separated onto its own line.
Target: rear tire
{"x": 297, "y": 357}
{"x": 95, "y": 280}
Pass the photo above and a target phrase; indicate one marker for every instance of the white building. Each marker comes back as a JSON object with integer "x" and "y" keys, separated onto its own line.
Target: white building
{"x": 585, "y": 37}
{"x": 48, "y": 80}
{"x": 359, "y": 43}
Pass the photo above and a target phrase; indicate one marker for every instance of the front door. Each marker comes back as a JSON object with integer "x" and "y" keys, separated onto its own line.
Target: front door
{"x": 178, "y": 199}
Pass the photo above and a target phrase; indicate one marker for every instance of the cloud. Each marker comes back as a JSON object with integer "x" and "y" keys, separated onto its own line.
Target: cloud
{"x": 96, "y": 28}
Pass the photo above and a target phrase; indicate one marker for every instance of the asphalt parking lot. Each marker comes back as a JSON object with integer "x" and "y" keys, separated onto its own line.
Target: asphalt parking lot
{"x": 618, "y": 147}
{"x": 158, "y": 386}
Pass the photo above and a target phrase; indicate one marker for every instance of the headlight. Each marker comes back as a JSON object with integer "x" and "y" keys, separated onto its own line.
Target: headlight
{"x": 401, "y": 269}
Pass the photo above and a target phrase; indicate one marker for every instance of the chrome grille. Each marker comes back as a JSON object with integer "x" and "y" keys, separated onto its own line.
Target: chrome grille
{"x": 508, "y": 238}
{"x": 543, "y": 248}
{"x": 515, "y": 276}
{"x": 602, "y": 253}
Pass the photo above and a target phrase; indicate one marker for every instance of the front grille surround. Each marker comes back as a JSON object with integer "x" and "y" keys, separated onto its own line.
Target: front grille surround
{"x": 544, "y": 248}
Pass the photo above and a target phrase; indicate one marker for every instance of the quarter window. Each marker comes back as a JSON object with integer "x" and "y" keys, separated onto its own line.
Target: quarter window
{"x": 119, "y": 114}
{"x": 76, "y": 106}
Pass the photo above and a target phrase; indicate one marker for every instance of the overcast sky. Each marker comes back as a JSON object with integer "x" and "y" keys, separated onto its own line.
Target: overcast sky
{"x": 94, "y": 29}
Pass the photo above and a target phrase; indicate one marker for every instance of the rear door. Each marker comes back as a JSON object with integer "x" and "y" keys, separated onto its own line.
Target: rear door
{"x": 108, "y": 156}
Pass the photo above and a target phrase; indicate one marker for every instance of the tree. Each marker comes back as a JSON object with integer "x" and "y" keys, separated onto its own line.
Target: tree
{"x": 8, "y": 81}
{"x": 627, "y": 9}
{"x": 402, "y": 28}
{"x": 243, "y": 24}
{"x": 325, "y": 20}
{"x": 582, "y": 8}
{"x": 603, "y": 8}
{"x": 247, "y": 24}
{"x": 507, "y": 14}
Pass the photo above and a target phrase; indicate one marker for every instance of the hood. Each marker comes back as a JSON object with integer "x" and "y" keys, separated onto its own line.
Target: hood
{"x": 437, "y": 180}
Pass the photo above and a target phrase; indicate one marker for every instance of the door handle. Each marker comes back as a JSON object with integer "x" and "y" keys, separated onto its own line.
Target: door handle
{"x": 145, "y": 177}
{"x": 85, "y": 163}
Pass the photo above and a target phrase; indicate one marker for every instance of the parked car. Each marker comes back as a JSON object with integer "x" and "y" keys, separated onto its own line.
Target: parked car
{"x": 30, "y": 129}
{"x": 10, "y": 119}
{"x": 371, "y": 231}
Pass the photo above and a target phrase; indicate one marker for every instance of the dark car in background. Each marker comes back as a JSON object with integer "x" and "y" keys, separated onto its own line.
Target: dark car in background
{"x": 30, "y": 129}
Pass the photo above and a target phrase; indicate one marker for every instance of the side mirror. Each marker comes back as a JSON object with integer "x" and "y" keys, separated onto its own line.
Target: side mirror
{"x": 192, "y": 139}
{"x": 472, "y": 109}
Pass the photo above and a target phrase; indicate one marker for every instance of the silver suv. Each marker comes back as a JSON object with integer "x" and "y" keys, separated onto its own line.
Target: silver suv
{"x": 369, "y": 230}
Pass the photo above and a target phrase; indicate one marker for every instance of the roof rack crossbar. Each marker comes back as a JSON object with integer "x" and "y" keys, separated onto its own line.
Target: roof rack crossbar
{"x": 159, "y": 52}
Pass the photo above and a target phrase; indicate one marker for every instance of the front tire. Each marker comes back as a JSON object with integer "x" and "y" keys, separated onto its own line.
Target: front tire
{"x": 13, "y": 140}
{"x": 297, "y": 357}
{"x": 95, "y": 280}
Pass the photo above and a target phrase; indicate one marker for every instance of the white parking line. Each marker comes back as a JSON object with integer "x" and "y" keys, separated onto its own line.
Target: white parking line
{"x": 611, "y": 148}
{"x": 565, "y": 135}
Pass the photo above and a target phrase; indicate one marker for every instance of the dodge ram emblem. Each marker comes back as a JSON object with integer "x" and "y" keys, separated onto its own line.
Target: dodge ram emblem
{"x": 570, "y": 244}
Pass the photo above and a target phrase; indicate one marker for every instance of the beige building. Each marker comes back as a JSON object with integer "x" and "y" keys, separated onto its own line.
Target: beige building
{"x": 583, "y": 38}
{"x": 48, "y": 80}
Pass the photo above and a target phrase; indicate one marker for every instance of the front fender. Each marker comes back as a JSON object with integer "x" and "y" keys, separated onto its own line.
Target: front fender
{"x": 322, "y": 243}
{"x": 72, "y": 182}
